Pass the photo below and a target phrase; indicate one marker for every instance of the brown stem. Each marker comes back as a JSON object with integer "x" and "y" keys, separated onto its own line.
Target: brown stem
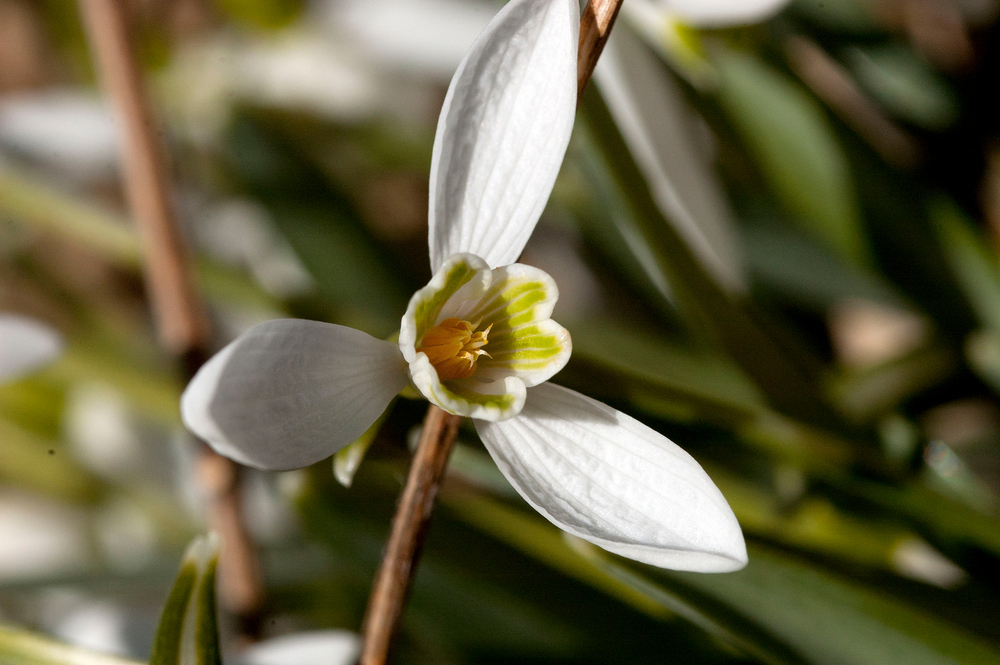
{"x": 392, "y": 581}
{"x": 399, "y": 561}
{"x": 180, "y": 317}
{"x": 595, "y": 28}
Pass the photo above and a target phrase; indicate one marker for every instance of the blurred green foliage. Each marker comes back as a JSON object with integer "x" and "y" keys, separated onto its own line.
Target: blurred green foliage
{"x": 846, "y": 402}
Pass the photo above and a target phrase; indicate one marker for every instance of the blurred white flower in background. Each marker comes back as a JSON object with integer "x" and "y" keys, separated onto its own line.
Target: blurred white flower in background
{"x": 321, "y": 647}
{"x": 423, "y": 37}
{"x": 69, "y": 130}
{"x": 26, "y": 344}
{"x": 41, "y": 537}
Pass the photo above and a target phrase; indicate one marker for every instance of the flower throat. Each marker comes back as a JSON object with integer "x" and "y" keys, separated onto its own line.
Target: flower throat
{"x": 454, "y": 348}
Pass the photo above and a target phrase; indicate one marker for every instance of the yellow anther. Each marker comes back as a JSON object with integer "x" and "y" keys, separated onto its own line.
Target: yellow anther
{"x": 453, "y": 348}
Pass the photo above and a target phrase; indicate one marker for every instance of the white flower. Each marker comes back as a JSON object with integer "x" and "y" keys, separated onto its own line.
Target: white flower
{"x": 25, "y": 345}
{"x": 478, "y": 340}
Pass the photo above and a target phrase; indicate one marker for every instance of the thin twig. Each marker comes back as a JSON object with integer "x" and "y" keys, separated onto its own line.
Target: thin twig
{"x": 392, "y": 582}
{"x": 180, "y": 316}
{"x": 595, "y": 27}
{"x": 409, "y": 526}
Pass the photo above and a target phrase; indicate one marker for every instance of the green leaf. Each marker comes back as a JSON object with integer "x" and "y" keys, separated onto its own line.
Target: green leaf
{"x": 777, "y": 609}
{"x": 261, "y": 14}
{"x": 713, "y": 317}
{"x": 971, "y": 260}
{"x": 20, "y": 647}
{"x": 659, "y": 367}
{"x": 802, "y": 268}
{"x": 832, "y": 621}
{"x": 581, "y": 561}
{"x": 797, "y": 152}
{"x": 110, "y": 236}
{"x": 188, "y": 633}
{"x": 30, "y": 460}
{"x": 905, "y": 84}
{"x": 951, "y": 524}
{"x": 841, "y": 15}
{"x": 864, "y": 395}
{"x": 347, "y": 461}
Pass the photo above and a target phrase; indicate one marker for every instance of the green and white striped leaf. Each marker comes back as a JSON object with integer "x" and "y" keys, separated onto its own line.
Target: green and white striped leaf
{"x": 188, "y": 633}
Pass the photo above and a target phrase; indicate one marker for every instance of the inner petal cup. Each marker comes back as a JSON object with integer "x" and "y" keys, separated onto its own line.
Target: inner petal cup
{"x": 524, "y": 347}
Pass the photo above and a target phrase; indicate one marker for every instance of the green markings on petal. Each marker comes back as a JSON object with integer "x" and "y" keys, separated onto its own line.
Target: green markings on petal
{"x": 503, "y": 402}
{"x": 460, "y": 274}
{"x": 511, "y": 312}
{"x": 188, "y": 633}
{"x": 511, "y": 302}
{"x": 525, "y": 354}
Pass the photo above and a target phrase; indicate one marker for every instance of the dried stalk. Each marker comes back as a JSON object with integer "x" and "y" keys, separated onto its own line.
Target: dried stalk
{"x": 180, "y": 317}
{"x": 392, "y": 582}
{"x": 595, "y": 27}
{"x": 399, "y": 561}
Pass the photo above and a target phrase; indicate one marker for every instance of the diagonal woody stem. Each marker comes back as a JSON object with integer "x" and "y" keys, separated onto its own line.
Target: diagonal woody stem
{"x": 595, "y": 27}
{"x": 409, "y": 526}
{"x": 180, "y": 317}
{"x": 392, "y": 581}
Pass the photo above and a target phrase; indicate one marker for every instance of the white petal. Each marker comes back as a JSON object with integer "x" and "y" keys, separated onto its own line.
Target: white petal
{"x": 289, "y": 393}
{"x": 609, "y": 479}
{"x": 658, "y": 124}
{"x": 25, "y": 344}
{"x": 503, "y": 131}
{"x": 723, "y": 13}
{"x": 320, "y": 647}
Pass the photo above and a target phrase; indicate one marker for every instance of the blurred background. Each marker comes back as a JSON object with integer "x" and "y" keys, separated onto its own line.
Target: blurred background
{"x": 775, "y": 237}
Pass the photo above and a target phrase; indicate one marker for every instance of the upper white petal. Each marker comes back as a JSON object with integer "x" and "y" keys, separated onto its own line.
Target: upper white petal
{"x": 25, "y": 344}
{"x": 609, "y": 479}
{"x": 288, "y": 393}
{"x": 503, "y": 132}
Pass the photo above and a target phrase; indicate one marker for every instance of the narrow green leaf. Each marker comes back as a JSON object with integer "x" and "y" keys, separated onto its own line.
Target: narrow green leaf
{"x": 347, "y": 461}
{"x": 800, "y": 267}
{"x": 581, "y": 561}
{"x": 833, "y": 621}
{"x": 972, "y": 262}
{"x": 789, "y": 135}
{"x": 187, "y": 633}
{"x": 20, "y": 647}
{"x": 904, "y": 83}
{"x": 714, "y": 317}
{"x": 40, "y": 205}
{"x": 699, "y": 376}
{"x": 778, "y": 609}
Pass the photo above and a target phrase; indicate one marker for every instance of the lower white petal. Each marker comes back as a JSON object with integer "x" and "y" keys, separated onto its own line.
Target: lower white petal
{"x": 25, "y": 344}
{"x": 289, "y": 393}
{"x": 607, "y": 478}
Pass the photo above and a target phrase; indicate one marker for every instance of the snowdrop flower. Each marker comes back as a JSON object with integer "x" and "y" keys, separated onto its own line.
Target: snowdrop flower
{"x": 478, "y": 340}
{"x": 25, "y": 345}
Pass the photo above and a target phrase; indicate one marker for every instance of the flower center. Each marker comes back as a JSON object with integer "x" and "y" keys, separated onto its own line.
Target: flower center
{"x": 453, "y": 348}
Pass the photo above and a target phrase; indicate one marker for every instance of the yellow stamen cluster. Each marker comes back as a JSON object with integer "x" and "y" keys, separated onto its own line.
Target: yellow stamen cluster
{"x": 453, "y": 348}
